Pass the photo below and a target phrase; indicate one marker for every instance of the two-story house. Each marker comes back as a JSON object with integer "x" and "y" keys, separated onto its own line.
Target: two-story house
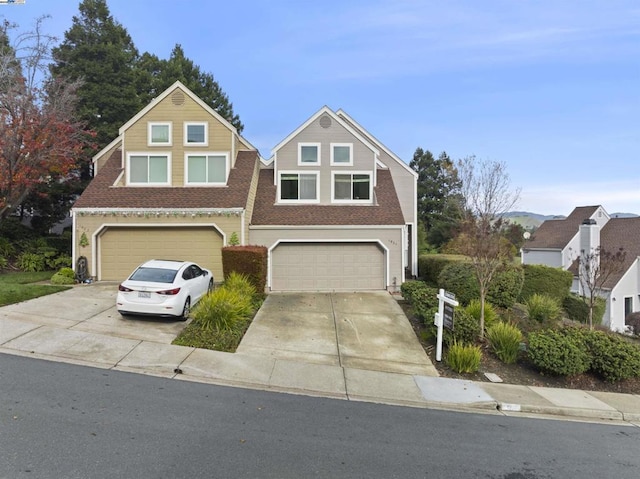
{"x": 335, "y": 208}
{"x": 176, "y": 183}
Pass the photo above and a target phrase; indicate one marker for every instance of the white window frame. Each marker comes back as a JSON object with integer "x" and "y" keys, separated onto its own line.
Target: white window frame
{"x": 206, "y": 153}
{"x": 333, "y": 186}
{"x": 299, "y": 201}
{"x": 300, "y": 162}
{"x": 350, "y": 163}
{"x": 187, "y": 124}
{"x": 167, "y": 154}
{"x": 150, "y": 126}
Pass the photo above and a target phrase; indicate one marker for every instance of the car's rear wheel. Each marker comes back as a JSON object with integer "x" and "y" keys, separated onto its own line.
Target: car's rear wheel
{"x": 186, "y": 310}
{"x": 210, "y": 287}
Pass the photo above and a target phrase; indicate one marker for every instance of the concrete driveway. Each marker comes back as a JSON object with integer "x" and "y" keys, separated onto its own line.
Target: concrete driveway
{"x": 351, "y": 330}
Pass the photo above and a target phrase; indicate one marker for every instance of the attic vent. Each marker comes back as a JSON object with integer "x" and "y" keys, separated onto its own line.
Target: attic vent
{"x": 177, "y": 98}
{"x": 325, "y": 121}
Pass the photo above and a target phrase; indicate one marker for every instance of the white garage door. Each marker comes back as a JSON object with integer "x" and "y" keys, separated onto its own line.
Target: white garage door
{"x": 121, "y": 249}
{"x": 327, "y": 267}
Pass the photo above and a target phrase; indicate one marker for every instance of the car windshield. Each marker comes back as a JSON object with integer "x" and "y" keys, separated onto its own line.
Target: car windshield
{"x": 156, "y": 275}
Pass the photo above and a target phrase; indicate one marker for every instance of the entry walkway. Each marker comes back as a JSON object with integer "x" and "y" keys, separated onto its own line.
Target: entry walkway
{"x": 81, "y": 326}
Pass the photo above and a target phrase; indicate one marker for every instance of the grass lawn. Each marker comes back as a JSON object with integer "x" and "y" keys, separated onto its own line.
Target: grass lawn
{"x": 17, "y": 287}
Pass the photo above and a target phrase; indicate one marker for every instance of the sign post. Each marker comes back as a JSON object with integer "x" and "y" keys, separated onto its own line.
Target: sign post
{"x": 444, "y": 317}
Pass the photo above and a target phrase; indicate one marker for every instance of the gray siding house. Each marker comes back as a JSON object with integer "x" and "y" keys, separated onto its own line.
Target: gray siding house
{"x": 336, "y": 209}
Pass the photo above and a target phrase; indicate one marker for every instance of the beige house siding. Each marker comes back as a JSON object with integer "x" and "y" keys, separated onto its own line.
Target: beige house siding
{"x": 390, "y": 239}
{"x": 104, "y": 157}
{"x": 220, "y": 138}
{"x": 94, "y": 225}
{"x": 405, "y": 185}
{"x": 251, "y": 203}
{"x": 363, "y": 157}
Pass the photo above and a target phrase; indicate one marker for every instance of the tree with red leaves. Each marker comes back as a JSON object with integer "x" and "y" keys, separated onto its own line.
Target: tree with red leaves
{"x": 40, "y": 137}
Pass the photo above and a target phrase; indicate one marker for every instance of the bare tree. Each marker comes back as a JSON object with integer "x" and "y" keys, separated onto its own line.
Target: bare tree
{"x": 40, "y": 137}
{"x": 487, "y": 192}
{"x": 595, "y": 269}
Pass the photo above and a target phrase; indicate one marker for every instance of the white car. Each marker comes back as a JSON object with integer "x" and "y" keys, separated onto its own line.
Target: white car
{"x": 163, "y": 288}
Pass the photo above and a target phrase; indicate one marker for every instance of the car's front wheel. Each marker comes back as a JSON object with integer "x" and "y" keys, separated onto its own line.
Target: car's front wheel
{"x": 186, "y": 309}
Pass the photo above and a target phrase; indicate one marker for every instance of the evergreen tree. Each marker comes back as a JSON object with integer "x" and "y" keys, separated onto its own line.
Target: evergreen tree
{"x": 157, "y": 75}
{"x": 99, "y": 51}
{"x": 439, "y": 199}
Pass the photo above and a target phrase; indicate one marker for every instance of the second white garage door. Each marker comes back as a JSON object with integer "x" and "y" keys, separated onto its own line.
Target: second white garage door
{"x": 327, "y": 267}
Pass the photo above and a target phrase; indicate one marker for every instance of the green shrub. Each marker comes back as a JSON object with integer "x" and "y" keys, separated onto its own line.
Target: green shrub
{"x": 490, "y": 315}
{"x": 464, "y": 358}
{"x": 7, "y": 249}
{"x": 466, "y": 329}
{"x": 431, "y": 265}
{"x": 224, "y": 309}
{"x": 68, "y": 272}
{"x": 552, "y": 282}
{"x": 542, "y": 308}
{"x": 612, "y": 357}
{"x": 460, "y": 279}
{"x": 578, "y": 310}
{"x": 59, "y": 278}
{"x": 249, "y": 260}
{"x": 506, "y": 285}
{"x": 504, "y": 340}
{"x": 242, "y": 284}
{"x": 60, "y": 261}
{"x": 553, "y": 352}
{"x": 422, "y": 298}
{"x": 31, "y": 262}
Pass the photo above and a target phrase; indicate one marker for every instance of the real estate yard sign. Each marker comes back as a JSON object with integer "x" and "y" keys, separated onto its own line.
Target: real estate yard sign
{"x": 444, "y": 317}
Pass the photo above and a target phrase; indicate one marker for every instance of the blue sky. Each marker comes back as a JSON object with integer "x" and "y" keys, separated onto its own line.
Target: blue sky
{"x": 552, "y": 88}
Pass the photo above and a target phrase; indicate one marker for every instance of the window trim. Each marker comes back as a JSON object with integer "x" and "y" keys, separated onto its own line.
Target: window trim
{"x": 206, "y": 153}
{"x": 351, "y": 201}
{"x": 299, "y": 201}
{"x": 334, "y": 163}
{"x": 166, "y": 154}
{"x": 150, "y": 126}
{"x": 187, "y": 124}
{"x": 317, "y": 145}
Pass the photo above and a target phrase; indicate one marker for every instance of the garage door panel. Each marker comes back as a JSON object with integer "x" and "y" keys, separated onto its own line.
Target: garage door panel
{"x": 121, "y": 249}
{"x": 327, "y": 267}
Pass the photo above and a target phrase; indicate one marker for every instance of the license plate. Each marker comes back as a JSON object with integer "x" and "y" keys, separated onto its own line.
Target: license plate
{"x": 144, "y": 294}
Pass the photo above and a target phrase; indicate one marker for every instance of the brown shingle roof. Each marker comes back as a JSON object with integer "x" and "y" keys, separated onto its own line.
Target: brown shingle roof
{"x": 621, "y": 233}
{"x": 387, "y": 211}
{"x": 556, "y": 234}
{"x": 102, "y": 194}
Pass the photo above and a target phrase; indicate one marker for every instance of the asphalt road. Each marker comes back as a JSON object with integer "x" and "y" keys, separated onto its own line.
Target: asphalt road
{"x": 66, "y": 421}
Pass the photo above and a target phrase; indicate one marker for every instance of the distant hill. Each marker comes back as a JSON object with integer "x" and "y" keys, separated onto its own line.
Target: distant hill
{"x": 527, "y": 220}
{"x": 531, "y": 221}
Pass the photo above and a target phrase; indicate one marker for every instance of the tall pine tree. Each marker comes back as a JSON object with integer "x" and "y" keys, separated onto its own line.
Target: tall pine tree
{"x": 439, "y": 200}
{"x": 157, "y": 75}
{"x": 99, "y": 51}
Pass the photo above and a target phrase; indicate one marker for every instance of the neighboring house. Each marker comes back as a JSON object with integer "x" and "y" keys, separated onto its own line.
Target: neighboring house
{"x": 335, "y": 208}
{"x": 176, "y": 183}
{"x": 558, "y": 243}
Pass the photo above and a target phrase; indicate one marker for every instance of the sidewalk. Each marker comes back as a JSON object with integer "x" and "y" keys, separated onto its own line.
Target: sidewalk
{"x": 33, "y": 332}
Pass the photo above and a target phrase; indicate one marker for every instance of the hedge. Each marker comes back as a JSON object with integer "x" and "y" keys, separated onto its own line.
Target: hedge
{"x": 578, "y": 310}
{"x": 540, "y": 279}
{"x": 431, "y": 265}
{"x": 250, "y": 261}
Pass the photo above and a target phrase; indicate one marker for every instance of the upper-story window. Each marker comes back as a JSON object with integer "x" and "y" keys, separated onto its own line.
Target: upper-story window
{"x": 348, "y": 187}
{"x": 195, "y": 134}
{"x": 149, "y": 169}
{"x": 342, "y": 154}
{"x": 206, "y": 169}
{"x": 159, "y": 134}
{"x": 308, "y": 154}
{"x": 296, "y": 186}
